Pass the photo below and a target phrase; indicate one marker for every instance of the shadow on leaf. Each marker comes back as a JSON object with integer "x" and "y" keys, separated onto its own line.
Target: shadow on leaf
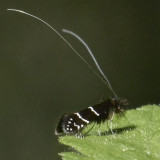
{"x": 118, "y": 130}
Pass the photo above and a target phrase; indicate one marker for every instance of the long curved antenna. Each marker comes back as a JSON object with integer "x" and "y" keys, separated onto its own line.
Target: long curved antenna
{"x": 92, "y": 56}
{"x": 23, "y": 12}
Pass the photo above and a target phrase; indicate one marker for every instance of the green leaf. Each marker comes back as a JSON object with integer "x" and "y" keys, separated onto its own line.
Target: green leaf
{"x": 137, "y": 137}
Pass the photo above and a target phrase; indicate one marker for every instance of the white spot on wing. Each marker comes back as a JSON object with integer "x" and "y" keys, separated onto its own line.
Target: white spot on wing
{"x": 94, "y": 111}
{"x": 78, "y": 127}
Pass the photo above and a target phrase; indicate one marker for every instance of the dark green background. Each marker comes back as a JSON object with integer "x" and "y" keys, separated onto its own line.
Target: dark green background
{"x": 41, "y": 77}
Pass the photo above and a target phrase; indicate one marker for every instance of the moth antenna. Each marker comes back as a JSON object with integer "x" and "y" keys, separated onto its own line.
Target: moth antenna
{"x": 92, "y": 56}
{"x": 33, "y": 16}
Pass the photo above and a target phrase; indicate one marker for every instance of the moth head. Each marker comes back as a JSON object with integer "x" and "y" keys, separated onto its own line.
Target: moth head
{"x": 119, "y": 104}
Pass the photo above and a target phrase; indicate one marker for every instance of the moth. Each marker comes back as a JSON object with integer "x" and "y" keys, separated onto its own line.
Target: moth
{"x": 74, "y": 123}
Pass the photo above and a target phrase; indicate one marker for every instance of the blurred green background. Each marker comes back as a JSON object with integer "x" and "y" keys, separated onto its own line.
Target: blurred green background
{"x": 41, "y": 77}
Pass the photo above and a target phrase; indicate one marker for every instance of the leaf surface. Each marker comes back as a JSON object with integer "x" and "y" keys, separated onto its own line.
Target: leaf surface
{"x": 137, "y": 137}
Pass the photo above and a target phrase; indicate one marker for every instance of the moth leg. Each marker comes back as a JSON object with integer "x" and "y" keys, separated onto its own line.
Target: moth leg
{"x": 99, "y": 132}
{"x": 90, "y": 129}
{"x": 110, "y": 128}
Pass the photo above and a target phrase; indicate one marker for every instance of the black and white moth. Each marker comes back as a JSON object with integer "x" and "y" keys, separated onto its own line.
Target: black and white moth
{"x": 74, "y": 123}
